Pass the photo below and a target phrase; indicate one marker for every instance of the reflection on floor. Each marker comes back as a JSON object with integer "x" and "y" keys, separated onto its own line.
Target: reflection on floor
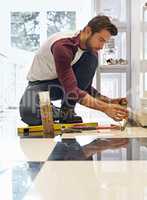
{"x": 16, "y": 178}
{"x": 30, "y": 171}
{"x": 100, "y": 149}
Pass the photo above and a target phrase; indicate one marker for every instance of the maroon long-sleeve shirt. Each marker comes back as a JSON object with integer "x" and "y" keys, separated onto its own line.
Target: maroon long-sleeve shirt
{"x": 55, "y": 59}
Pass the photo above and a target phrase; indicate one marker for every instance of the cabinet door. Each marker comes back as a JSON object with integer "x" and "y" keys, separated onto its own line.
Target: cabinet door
{"x": 113, "y": 84}
{"x": 115, "y": 49}
{"x": 114, "y": 77}
{"x": 143, "y": 69}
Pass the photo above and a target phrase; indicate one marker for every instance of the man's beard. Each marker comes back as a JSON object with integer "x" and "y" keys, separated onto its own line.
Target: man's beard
{"x": 87, "y": 44}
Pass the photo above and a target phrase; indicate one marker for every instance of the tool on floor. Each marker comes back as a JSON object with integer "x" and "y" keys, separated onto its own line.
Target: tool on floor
{"x": 70, "y": 130}
{"x": 46, "y": 114}
{"x": 37, "y": 131}
{"x": 78, "y": 129}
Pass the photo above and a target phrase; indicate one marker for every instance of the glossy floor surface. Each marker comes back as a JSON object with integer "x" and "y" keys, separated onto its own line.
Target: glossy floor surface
{"x": 107, "y": 165}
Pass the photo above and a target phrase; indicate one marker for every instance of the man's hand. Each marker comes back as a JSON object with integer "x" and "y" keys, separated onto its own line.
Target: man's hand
{"x": 121, "y": 101}
{"x": 98, "y": 146}
{"x": 116, "y": 112}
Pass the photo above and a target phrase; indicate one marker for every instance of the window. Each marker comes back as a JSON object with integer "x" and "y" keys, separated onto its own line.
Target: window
{"x": 25, "y": 27}
{"x": 32, "y": 25}
{"x": 25, "y": 33}
{"x": 60, "y": 21}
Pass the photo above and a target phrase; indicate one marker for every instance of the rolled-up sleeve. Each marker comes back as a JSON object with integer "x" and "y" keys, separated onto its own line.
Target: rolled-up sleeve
{"x": 63, "y": 56}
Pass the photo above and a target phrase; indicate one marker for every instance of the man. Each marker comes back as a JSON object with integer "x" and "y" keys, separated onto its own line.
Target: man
{"x": 65, "y": 66}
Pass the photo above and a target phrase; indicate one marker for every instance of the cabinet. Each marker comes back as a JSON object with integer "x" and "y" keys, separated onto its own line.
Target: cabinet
{"x": 114, "y": 70}
{"x": 142, "y": 108}
{"x": 143, "y": 70}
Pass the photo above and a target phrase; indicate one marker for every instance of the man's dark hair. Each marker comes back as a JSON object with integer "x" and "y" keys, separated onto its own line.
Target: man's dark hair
{"x": 101, "y": 22}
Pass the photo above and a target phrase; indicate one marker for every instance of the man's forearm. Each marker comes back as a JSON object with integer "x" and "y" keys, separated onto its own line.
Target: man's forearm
{"x": 93, "y": 92}
{"x": 114, "y": 111}
{"x": 104, "y": 98}
{"x": 94, "y": 103}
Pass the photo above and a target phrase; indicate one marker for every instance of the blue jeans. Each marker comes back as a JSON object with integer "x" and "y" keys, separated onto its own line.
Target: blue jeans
{"x": 84, "y": 70}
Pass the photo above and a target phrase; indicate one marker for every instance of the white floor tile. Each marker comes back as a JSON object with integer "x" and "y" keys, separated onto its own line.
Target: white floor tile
{"x": 90, "y": 180}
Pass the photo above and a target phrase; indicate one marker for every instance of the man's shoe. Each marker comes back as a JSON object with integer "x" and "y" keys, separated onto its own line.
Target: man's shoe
{"x": 56, "y": 112}
{"x": 68, "y": 116}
